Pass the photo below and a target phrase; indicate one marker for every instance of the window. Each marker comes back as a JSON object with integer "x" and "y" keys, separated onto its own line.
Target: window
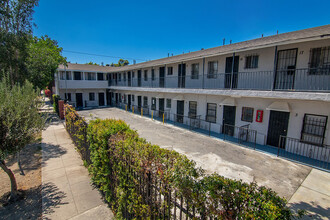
{"x": 125, "y": 98}
{"x": 68, "y": 75}
{"x": 145, "y": 102}
{"x": 168, "y": 103}
{"x": 247, "y": 114}
{"x": 153, "y": 103}
{"x": 251, "y": 61}
{"x": 212, "y": 69}
{"x": 170, "y": 70}
{"x": 132, "y": 98}
{"x": 132, "y": 74}
{"x": 68, "y": 97}
{"x": 192, "y": 109}
{"x": 314, "y": 129}
{"x": 62, "y": 75}
{"x": 90, "y": 76}
{"x": 145, "y": 75}
{"x": 211, "y": 113}
{"x": 119, "y": 76}
{"x": 124, "y": 77}
{"x": 77, "y": 75}
{"x": 119, "y": 94}
{"x": 319, "y": 60}
{"x": 91, "y": 96}
{"x": 152, "y": 74}
{"x": 100, "y": 76}
{"x": 194, "y": 71}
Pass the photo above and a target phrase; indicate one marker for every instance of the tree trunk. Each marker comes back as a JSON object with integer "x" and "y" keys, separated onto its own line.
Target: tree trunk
{"x": 14, "y": 194}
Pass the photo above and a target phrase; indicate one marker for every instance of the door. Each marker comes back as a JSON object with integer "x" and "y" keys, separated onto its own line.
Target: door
{"x": 129, "y": 102}
{"x": 117, "y": 99}
{"x": 229, "y": 115}
{"x": 101, "y": 99}
{"x": 161, "y": 107}
{"x": 179, "y": 111}
{"x": 229, "y": 83}
{"x": 278, "y": 125}
{"x": 129, "y": 79}
{"x": 79, "y": 100}
{"x": 161, "y": 77}
{"x": 139, "y": 78}
{"x": 285, "y": 69}
{"x": 108, "y": 97}
{"x": 182, "y": 76}
{"x": 139, "y": 102}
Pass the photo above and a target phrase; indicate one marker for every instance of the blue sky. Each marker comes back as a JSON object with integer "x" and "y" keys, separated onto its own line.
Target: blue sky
{"x": 151, "y": 29}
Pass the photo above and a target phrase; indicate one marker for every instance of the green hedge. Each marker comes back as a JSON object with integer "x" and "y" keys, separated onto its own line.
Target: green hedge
{"x": 141, "y": 180}
{"x": 56, "y": 98}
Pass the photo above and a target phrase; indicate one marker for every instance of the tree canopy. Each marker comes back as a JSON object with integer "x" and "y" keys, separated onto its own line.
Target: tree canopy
{"x": 121, "y": 62}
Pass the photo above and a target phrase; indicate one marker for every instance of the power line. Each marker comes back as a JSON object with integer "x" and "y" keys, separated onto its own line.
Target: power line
{"x": 91, "y": 54}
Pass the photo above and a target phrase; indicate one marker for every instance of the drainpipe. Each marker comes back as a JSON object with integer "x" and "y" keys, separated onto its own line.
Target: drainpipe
{"x": 232, "y": 71}
{"x": 66, "y": 86}
{"x": 274, "y": 71}
{"x": 203, "y": 86}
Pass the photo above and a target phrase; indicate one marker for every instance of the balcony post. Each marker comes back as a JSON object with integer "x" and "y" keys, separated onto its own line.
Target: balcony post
{"x": 232, "y": 71}
{"x": 274, "y": 70}
{"x": 203, "y": 80}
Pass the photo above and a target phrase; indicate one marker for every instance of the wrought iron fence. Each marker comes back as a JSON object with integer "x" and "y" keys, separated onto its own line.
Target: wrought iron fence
{"x": 288, "y": 80}
{"x": 295, "y": 149}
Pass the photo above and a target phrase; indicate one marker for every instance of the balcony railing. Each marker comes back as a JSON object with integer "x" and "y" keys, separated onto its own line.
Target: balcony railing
{"x": 286, "y": 80}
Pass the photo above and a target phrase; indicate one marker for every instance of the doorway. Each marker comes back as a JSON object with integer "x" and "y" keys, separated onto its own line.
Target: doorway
{"x": 285, "y": 69}
{"x": 129, "y": 79}
{"x": 129, "y": 101}
{"x": 139, "y": 78}
{"x": 139, "y": 102}
{"x": 278, "y": 125}
{"x": 161, "y": 107}
{"x": 231, "y": 80}
{"x": 182, "y": 75}
{"x": 108, "y": 97}
{"x": 161, "y": 77}
{"x": 179, "y": 111}
{"x": 101, "y": 99}
{"x": 229, "y": 115}
{"x": 79, "y": 100}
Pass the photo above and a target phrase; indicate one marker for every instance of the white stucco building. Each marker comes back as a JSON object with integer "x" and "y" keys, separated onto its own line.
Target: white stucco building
{"x": 274, "y": 90}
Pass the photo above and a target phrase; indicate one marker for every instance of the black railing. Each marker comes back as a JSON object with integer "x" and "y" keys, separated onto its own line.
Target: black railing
{"x": 295, "y": 149}
{"x": 286, "y": 80}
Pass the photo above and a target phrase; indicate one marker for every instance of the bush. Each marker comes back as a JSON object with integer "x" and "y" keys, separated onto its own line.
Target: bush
{"x": 141, "y": 180}
{"x": 56, "y": 98}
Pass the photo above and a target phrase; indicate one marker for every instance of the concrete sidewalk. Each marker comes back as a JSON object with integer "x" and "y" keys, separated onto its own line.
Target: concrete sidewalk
{"x": 66, "y": 189}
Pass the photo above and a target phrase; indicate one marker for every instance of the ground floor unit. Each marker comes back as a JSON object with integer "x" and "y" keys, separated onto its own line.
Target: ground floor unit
{"x": 298, "y": 126}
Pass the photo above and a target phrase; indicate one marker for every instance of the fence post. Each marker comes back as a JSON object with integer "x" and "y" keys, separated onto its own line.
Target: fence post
{"x": 163, "y": 118}
{"x": 133, "y": 109}
{"x": 152, "y": 115}
{"x": 141, "y": 111}
{"x": 125, "y": 107}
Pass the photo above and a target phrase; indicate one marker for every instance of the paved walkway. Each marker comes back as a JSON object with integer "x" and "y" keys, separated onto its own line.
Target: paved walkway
{"x": 66, "y": 189}
{"x": 303, "y": 186}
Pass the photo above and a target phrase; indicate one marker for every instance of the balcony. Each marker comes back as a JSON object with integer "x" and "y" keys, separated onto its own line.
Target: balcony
{"x": 83, "y": 84}
{"x": 305, "y": 80}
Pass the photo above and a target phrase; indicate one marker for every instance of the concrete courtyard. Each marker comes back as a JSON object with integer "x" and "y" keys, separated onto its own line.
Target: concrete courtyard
{"x": 302, "y": 186}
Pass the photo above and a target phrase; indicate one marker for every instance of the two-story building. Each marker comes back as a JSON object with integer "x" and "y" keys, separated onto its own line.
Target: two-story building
{"x": 274, "y": 90}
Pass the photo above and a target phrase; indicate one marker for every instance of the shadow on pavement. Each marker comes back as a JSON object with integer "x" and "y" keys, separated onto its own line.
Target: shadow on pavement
{"x": 50, "y": 151}
{"x": 313, "y": 211}
{"x": 51, "y": 198}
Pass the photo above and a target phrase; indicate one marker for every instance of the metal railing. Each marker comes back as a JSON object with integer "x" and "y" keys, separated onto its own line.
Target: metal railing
{"x": 286, "y": 80}
{"x": 295, "y": 149}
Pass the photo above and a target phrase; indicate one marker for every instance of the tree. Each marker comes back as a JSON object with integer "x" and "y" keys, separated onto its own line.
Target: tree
{"x": 121, "y": 62}
{"x": 91, "y": 63}
{"x": 20, "y": 122}
{"x": 44, "y": 56}
{"x": 15, "y": 29}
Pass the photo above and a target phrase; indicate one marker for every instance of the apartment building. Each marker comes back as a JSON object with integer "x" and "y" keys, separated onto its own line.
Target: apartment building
{"x": 272, "y": 91}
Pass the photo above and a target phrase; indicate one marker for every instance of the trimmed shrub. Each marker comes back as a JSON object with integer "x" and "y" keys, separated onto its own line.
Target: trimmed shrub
{"x": 55, "y": 103}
